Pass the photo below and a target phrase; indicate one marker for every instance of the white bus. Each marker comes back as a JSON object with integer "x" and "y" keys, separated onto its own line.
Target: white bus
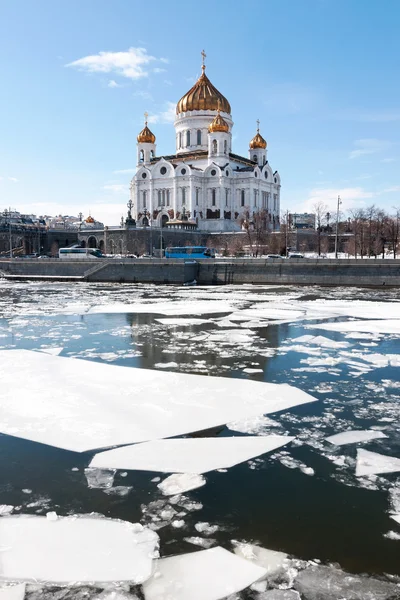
{"x": 79, "y": 253}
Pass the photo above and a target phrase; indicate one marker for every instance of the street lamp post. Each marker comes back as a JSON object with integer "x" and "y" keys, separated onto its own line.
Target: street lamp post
{"x": 9, "y": 232}
{"x": 339, "y": 202}
{"x": 287, "y": 233}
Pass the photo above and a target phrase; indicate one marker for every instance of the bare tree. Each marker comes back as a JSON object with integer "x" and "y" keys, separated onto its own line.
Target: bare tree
{"x": 321, "y": 210}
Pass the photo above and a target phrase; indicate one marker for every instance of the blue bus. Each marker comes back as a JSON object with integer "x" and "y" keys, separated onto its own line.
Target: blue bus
{"x": 189, "y": 252}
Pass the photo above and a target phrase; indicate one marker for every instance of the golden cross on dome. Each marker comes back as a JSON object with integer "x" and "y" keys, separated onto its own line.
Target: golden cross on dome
{"x": 204, "y": 56}
{"x": 146, "y": 116}
{"x": 219, "y": 105}
{"x": 258, "y": 125}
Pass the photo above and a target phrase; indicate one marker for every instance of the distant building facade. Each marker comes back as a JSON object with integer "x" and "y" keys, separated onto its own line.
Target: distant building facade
{"x": 302, "y": 220}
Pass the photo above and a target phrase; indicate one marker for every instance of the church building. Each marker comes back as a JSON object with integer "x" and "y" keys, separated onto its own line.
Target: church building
{"x": 204, "y": 182}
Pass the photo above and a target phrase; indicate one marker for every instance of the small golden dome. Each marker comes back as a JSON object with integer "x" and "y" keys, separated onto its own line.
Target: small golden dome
{"x": 89, "y": 219}
{"x": 218, "y": 124}
{"x": 258, "y": 140}
{"x": 203, "y": 96}
{"x": 146, "y": 136}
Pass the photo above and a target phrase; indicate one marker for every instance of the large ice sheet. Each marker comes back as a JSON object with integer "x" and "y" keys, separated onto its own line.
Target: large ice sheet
{"x": 372, "y": 463}
{"x": 367, "y": 326}
{"x": 205, "y": 575}
{"x": 194, "y": 307}
{"x": 75, "y": 549}
{"x": 354, "y": 436}
{"x": 13, "y": 592}
{"x": 83, "y": 405}
{"x": 192, "y": 455}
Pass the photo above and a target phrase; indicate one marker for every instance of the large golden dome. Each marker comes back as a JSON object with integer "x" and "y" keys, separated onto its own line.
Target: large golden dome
{"x": 258, "y": 141}
{"x": 146, "y": 136}
{"x": 218, "y": 124}
{"x": 203, "y": 96}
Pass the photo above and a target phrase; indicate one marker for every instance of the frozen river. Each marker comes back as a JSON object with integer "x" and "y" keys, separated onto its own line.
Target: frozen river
{"x": 306, "y": 499}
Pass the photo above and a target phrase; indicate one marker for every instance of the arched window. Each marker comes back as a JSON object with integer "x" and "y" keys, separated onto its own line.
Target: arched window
{"x": 159, "y": 197}
{"x": 255, "y": 157}
{"x": 214, "y": 147}
{"x": 144, "y": 198}
{"x": 141, "y": 156}
{"x": 213, "y": 195}
{"x": 188, "y": 138}
{"x": 151, "y": 153}
{"x": 225, "y": 147}
{"x": 183, "y": 196}
{"x": 180, "y": 140}
{"x": 199, "y": 137}
{"x": 226, "y": 196}
{"x": 167, "y": 197}
{"x": 242, "y": 198}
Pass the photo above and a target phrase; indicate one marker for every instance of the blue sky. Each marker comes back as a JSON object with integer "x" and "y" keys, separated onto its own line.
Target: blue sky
{"x": 77, "y": 76}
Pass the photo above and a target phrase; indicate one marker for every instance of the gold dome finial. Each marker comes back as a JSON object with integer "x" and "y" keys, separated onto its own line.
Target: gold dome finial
{"x": 146, "y": 136}
{"x": 203, "y": 95}
{"x": 203, "y": 56}
{"x": 218, "y": 123}
{"x": 258, "y": 140}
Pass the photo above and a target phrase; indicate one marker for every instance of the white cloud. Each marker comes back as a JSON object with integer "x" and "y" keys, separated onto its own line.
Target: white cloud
{"x": 143, "y": 94}
{"x": 13, "y": 179}
{"x": 113, "y": 84}
{"x": 388, "y": 160}
{"x": 130, "y": 64}
{"x": 351, "y": 198}
{"x": 124, "y": 171}
{"x": 393, "y": 188}
{"x": 368, "y": 146}
{"x": 166, "y": 116}
{"x": 158, "y": 70}
{"x": 116, "y": 188}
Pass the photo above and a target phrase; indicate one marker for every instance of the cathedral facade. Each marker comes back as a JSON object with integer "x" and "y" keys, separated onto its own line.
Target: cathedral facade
{"x": 204, "y": 182}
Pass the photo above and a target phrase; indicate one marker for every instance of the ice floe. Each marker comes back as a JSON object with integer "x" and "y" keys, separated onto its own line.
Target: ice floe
{"x": 75, "y": 549}
{"x": 149, "y": 405}
{"x": 205, "y": 575}
{"x": 168, "y": 308}
{"x": 258, "y": 425}
{"x": 272, "y": 561}
{"x": 367, "y": 326}
{"x": 354, "y": 436}
{"x": 13, "y": 592}
{"x": 182, "y": 322}
{"x": 372, "y": 463}
{"x": 319, "y": 340}
{"x": 189, "y": 455}
{"x": 178, "y": 483}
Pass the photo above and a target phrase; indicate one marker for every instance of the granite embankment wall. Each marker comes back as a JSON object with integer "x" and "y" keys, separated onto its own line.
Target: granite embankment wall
{"x": 301, "y": 272}
{"x": 118, "y": 270}
{"x": 374, "y": 273}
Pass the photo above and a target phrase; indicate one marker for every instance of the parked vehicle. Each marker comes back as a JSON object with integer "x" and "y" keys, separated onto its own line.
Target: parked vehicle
{"x": 79, "y": 253}
{"x": 296, "y": 255}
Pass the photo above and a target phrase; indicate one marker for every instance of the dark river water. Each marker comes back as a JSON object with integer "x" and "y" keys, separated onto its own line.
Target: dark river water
{"x": 303, "y": 499}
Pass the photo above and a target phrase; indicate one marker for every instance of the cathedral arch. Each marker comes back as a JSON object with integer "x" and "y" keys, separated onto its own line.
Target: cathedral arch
{"x": 188, "y": 138}
{"x": 225, "y": 147}
{"x": 199, "y": 137}
{"x": 141, "y": 156}
{"x": 214, "y": 147}
{"x": 92, "y": 242}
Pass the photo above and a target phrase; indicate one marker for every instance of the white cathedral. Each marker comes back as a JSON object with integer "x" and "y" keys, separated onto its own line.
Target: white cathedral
{"x": 204, "y": 183}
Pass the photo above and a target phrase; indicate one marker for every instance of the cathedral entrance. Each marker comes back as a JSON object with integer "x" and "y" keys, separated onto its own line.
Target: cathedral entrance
{"x": 164, "y": 220}
{"x": 92, "y": 242}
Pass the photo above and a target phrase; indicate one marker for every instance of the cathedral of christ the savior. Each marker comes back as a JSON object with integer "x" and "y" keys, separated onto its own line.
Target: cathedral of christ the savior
{"x": 204, "y": 182}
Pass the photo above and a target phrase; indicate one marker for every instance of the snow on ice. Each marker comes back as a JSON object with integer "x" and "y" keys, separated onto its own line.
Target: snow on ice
{"x": 149, "y": 404}
{"x": 75, "y": 549}
{"x": 354, "y": 436}
{"x": 372, "y": 463}
{"x": 178, "y": 483}
{"x": 13, "y": 592}
{"x": 189, "y": 455}
{"x": 205, "y": 575}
